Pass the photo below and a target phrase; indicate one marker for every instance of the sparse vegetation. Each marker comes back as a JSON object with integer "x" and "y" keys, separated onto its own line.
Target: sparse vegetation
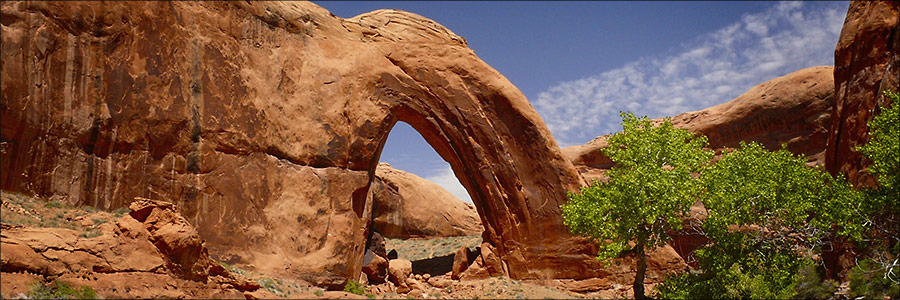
{"x": 271, "y": 286}
{"x": 30, "y": 211}
{"x": 354, "y": 287}
{"x": 58, "y": 289}
{"x": 121, "y": 212}
{"x": 417, "y": 249}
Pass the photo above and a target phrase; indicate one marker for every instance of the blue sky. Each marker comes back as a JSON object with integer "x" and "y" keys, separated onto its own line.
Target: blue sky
{"x": 580, "y": 63}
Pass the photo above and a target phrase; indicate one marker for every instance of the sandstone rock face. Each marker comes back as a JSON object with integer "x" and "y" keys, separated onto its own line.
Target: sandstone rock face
{"x": 161, "y": 252}
{"x": 461, "y": 261}
{"x": 264, "y": 122}
{"x": 793, "y": 109}
{"x": 376, "y": 269}
{"x": 398, "y": 270}
{"x": 867, "y": 62}
{"x": 407, "y": 206}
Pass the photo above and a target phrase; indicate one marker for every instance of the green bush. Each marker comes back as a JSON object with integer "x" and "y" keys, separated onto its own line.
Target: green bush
{"x": 59, "y": 289}
{"x": 354, "y": 287}
{"x": 808, "y": 284}
{"x": 868, "y": 280}
{"x": 269, "y": 284}
{"x": 121, "y": 212}
{"x": 53, "y": 204}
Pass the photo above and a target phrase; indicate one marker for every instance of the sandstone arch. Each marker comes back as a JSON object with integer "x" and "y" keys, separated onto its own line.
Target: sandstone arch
{"x": 264, "y": 122}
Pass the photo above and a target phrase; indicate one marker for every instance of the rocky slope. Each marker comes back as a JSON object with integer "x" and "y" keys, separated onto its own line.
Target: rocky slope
{"x": 408, "y": 206}
{"x": 264, "y": 121}
{"x": 151, "y": 252}
{"x": 794, "y": 109}
{"x": 867, "y": 62}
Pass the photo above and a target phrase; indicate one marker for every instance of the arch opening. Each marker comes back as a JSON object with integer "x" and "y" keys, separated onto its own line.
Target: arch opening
{"x": 421, "y": 211}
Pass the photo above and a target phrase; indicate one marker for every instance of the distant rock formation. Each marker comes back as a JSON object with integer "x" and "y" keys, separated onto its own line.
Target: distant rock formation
{"x": 867, "y": 62}
{"x": 264, "y": 121}
{"x": 794, "y": 109}
{"x": 408, "y": 206}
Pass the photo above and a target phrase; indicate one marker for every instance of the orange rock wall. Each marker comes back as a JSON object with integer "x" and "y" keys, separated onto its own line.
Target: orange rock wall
{"x": 264, "y": 121}
{"x": 867, "y": 62}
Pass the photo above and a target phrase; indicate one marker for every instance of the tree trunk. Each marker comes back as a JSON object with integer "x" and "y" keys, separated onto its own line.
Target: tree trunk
{"x": 641, "y": 258}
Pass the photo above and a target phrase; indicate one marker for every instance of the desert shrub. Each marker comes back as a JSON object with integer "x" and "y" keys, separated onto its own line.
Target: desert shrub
{"x": 90, "y": 234}
{"x": 868, "y": 279}
{"x": 53, "y": 204}
{"x": 59, "y": 289}
{"x": 121, "y": 212}
{"x": 89, "y": 209}
{"x": 354, "y": 287}
{"x": 270, "y": 285}
{"x": 808, "y": 284}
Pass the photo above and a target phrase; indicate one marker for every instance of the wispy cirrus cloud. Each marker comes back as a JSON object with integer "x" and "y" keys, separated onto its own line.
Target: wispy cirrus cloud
{"x": 708, "y": 70}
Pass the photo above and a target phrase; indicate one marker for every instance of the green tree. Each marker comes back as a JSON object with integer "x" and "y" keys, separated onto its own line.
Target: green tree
{"x": 763, "y": 207}
{"x": 649, "y": 190}
{"x": 880, "y": 206}
{"x": 883, "y": 150}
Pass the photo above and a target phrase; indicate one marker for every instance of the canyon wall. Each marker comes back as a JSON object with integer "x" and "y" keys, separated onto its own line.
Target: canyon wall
{"x": 867, "y": 62}
{"x": 264, "y": 122}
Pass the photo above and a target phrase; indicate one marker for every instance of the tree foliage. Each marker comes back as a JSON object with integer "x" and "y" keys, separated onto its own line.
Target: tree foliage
{"x": 647, "y": 193}
{"x": 881, "y": 207}
{"x": 763, "y": 206}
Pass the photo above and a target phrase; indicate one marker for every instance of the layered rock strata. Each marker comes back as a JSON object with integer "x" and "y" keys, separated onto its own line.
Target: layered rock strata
{"x": 264, "y": 122}
{"x": 867, "y": 62}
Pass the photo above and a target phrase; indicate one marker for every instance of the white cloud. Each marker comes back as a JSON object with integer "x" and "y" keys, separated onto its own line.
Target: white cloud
{"x": 446, "y": 179}
{"x": 708, "y": 70}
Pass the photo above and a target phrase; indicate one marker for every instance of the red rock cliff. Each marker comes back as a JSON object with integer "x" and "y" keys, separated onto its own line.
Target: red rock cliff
{"x": 264, "y": 122}
{"x": 867, "y": 62}
{"x": 794, "y": 109}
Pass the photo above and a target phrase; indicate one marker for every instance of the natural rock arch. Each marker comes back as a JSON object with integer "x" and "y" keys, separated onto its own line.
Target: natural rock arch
{"x": 264, "y": 122}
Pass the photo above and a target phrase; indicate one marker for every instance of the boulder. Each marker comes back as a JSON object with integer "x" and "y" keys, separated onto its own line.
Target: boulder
{"x": 408, "y": 206}
{"x": 439, "y": 282}
{"x": 377, "y": 269}
{"x": 461, "y": 261}
{"x": 392, "y": 254}
{"x": 375, "y": 244}
{"x": 415, "y": 284}
{"x": 399, "y": 270}
{"x": 867, "y": 62}
{"x": 475, "y": 271}
{"x": 176, "y": 239}
{"x": 263, "y": 123}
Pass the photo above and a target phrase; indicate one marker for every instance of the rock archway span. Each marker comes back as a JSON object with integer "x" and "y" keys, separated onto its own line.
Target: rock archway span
{"x": 264, "y": 122}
